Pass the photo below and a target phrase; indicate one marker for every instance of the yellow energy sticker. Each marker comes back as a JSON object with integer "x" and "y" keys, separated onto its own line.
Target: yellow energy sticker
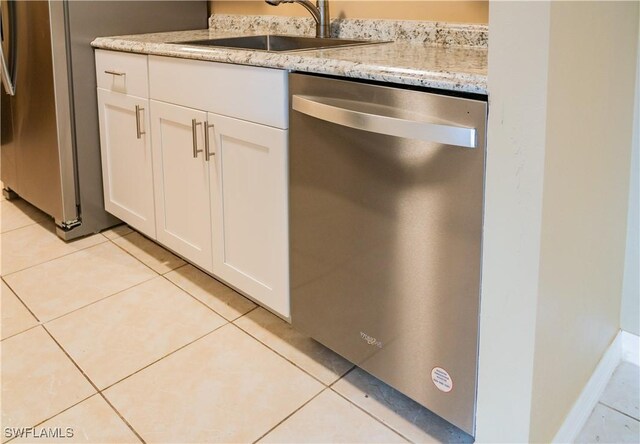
{"x": 441, "y": 379}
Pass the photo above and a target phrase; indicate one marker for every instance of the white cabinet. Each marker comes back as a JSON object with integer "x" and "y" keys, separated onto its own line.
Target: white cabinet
{"x": 248, "y": 176}
{"x": 226, "y": 212}
{"x": 181, "y": 178}
{"x": 126, "y": 159}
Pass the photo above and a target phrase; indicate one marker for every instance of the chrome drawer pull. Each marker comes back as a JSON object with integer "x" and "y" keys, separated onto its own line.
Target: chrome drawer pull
{"x": 115, "y": 73}
{"x": 139, "y": 132}
{"x": 194, "y": 133}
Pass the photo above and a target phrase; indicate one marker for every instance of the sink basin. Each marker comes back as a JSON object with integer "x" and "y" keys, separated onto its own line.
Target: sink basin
{"x": 278, "y": 43}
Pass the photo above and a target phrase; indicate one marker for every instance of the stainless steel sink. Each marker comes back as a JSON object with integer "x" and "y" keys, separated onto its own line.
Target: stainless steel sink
{"x": 278, "y": 43}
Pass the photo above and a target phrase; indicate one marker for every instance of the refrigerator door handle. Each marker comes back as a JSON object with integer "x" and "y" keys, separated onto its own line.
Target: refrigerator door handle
{"x": 9, "y": 85}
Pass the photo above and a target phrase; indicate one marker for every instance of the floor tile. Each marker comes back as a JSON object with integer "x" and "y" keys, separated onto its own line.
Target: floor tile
{"x": 149, "y": 253}
{"x": 117, "y": 231}
{"x": 130, "y": 330}
{"x": 402, "y": 414}
{"x": 36, "y": 244}
{"x": 92, "y": 421}
{"x": 623, "y": 391}
{"x": 17, "y": 214}
{"x": 224, "y": 300}
{"x": 226, "y": 387}
{"x": 303, "y": 351}
{"x": 15, "y": 316}
{"x": 73, "y": 281}
{"x": 329, "y": 418}
{"x": 606, "y": 425}
{"x": 38, "y": 379}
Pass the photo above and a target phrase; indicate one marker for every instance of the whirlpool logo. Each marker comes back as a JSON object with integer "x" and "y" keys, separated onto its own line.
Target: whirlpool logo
{"x": 370, "y": 340}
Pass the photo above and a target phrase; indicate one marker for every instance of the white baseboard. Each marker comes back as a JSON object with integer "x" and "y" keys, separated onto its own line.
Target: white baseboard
{"x": 584, "y": 405}
{"x": 630, "y": 347}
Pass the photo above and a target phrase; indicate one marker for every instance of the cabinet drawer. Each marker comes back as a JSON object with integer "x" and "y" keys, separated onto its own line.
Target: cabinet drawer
{"x": 122, "y": 72}
{"x": 245, "y": 92}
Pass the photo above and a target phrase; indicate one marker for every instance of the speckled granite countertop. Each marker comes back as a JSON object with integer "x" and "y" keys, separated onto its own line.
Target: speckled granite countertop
{"x": 452, "y": 57}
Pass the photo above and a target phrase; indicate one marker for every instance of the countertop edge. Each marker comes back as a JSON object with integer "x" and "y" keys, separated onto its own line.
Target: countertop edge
{"x": 451, "y": 81}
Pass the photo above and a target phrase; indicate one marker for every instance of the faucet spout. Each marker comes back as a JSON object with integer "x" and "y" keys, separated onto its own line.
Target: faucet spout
{"x": 319, "y": 12}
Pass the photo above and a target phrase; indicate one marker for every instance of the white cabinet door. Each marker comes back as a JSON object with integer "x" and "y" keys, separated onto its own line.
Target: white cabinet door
{"x": 249, "y": 205}
{"x": 181, "y": 179}
{"x": 126, "y": 159}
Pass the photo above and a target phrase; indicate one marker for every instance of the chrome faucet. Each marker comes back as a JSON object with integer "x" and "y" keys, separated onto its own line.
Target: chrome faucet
{"x": 320, "y": 13}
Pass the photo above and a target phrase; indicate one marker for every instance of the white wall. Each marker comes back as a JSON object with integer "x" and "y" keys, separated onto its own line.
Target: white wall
{"x": 591, "y": 83}
{"x": 518, "y": 66}
{"x": 630, "y": 311}
{"x": 561, "y": 81}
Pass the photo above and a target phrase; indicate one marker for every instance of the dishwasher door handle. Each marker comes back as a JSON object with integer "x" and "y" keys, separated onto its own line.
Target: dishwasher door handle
{"x": 335, "y": 111}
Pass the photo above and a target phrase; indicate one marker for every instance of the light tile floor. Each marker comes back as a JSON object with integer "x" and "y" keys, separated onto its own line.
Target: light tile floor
{"x": 616, "y": 418}
{"x": 120, "y": 340}
{"x": 116, "y": 338}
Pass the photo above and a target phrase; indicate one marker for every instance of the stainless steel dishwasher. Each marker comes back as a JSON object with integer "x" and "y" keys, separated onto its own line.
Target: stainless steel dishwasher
{"x": 386, "y": 199}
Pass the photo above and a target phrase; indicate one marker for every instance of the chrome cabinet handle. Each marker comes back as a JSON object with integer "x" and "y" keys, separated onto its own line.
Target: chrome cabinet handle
{"x": 115, "y": 73}
{"x": 194, "y": 133}
{"x": 207, "y": 151}
{"x": 353, "y": 115}
{"x": 139, "y": 132}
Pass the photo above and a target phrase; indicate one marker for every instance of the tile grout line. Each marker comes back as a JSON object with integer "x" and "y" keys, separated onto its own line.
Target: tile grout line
{"x": 41, "y": 322}
{"x": 131, "y": 254}
{"x": 24, "y": 226}
{"x": 118, "y": 292}
{"x": 326, "y": 386}
{"x": 90, "y": 382}
{"x": 59, "y": 413}
{"x": 89, "y": 304}
{"x": 290, "y": 414}
{"x": 122, "y": 418}
{"x": 245, "y": 314}
{"x": 23, "y": 331}
{"x": 58, "y": 257}
{"x": 21, "y": 301}
{"x": 100, "y": 391}
{"x": 324, "y": 389}
{"x": 186, "y": 264}
{"x": 117, "y": 235}
{"x": 388, "y": 426}
{"x": 353, "y": 367}
{"x": 44, "y": 215}
{"x": 154, "y": 242}
{"x": 164, "y": 356}
{"x": 618, "y": 411}
{"x": 281, "y": 355}
{"x": 201, "y": 302}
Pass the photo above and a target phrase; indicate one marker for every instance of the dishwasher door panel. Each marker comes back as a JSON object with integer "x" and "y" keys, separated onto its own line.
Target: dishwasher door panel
{"x": 385, "y": 242}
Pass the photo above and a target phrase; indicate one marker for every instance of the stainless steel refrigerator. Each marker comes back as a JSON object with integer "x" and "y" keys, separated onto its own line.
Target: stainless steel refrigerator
{"x": 50, "y": 153}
